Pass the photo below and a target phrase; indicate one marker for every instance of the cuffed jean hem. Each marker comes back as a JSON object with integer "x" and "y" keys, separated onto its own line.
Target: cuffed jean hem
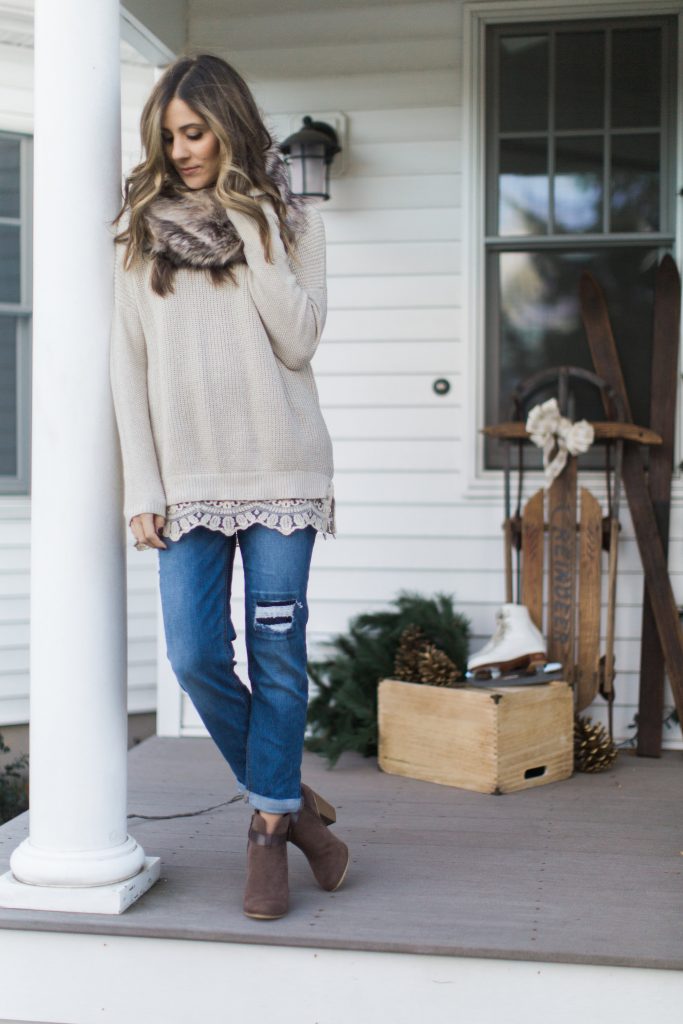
{"x": 268, "y": 804}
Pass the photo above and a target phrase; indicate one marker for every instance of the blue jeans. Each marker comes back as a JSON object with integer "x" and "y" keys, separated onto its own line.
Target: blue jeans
{"x": 260, "y": 733}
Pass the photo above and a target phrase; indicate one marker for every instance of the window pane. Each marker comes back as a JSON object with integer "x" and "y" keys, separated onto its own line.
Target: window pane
{"x": 580, "y": 80}
{"x": 523, "y": 83}
{"x": 8, "y": 396}
{"x": 636, "y": 78}
{"x": 578, "y": 184}
{"x": 10, "y": 289}
{"x": 635, "y": 182}
{"x": 523, "y": 189}
{"x": 540, "y": 322}
{"x": 9, "y": 177}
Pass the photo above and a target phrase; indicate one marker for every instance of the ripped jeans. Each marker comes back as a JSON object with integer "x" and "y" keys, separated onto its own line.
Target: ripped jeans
{"x": 260, "y": 732}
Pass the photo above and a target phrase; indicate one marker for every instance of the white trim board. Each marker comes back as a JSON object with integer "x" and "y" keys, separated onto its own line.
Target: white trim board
{"x": 332, "y": 985}
{"x": 143, "y": 40}
{"x": 542, "y": 10}
{"x": 481, "y": 484}
{"x": 15, "y": 506}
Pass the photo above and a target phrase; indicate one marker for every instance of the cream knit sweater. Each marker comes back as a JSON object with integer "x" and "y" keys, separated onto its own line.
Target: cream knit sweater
{"x": 213, "y": 387}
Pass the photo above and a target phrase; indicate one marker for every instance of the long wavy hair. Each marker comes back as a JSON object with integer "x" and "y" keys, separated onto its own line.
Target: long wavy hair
{"x": 219, "y": 94}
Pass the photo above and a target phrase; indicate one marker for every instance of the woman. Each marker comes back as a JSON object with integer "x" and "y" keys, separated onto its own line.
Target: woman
{"x": 220, "y": 300}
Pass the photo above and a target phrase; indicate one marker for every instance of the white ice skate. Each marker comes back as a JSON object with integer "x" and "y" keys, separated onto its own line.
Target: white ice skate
{"x": 516, "y": 643}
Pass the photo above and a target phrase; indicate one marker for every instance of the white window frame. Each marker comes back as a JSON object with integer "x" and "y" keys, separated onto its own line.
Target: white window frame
{"x": 15, "y": 490}
{"x": 482, "y": 484}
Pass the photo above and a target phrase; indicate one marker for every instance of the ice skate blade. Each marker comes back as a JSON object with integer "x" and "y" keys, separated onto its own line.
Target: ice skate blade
{"x": 551, "y": 672}
{"x": 530, "y": 662}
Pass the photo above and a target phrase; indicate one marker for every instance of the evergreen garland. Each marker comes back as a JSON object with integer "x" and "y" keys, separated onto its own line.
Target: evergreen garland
{"x": 13, "y": 785}
{"x": 343, "y": 713}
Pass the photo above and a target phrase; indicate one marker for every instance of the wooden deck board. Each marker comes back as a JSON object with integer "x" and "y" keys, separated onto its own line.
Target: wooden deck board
{"x": 589, "y": 870}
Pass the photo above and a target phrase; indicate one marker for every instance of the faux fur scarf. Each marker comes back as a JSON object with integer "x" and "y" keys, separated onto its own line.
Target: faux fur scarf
{"x": 194, "y": 230}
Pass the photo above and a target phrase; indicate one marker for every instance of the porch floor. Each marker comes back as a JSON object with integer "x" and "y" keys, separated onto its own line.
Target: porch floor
{"x": 589, "y": 870}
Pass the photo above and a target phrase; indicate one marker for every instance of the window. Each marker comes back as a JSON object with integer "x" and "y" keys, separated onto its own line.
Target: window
{"x": 15, "y": 312}
{"x": 580, "y": 151}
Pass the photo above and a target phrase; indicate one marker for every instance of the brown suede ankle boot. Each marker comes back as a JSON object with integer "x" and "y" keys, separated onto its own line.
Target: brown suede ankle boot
{"x": 266, "y": 894}
{"x": 327, "y": 855}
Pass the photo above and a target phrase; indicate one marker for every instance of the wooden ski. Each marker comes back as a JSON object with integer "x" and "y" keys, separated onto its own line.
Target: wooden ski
{"x": 663, "y": 603}
{"x": 663, "y": 392}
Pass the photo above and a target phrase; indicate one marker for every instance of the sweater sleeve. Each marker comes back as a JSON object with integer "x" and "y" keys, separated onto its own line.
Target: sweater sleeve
{"x": 144, "y": 491}
{"x": 290, "y": 294}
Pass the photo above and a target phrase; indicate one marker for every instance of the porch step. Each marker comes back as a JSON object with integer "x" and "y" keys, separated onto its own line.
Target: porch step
{"x": 587, "y": 872}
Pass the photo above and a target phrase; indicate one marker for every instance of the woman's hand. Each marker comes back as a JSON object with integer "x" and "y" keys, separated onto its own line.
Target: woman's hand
{"x": 146, "y": 528}
{"x": 247, "y": 229}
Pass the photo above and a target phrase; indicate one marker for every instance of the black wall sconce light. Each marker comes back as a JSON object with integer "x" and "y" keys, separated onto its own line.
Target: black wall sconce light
{"x": 308, "y": 154}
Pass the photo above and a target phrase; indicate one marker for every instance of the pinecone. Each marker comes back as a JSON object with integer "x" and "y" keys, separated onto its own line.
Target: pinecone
{"x": 412, "y": 641}
{"x": 593, "y": 749}
{"x": 436, "y": 668}
{"x": 417, "y": 660}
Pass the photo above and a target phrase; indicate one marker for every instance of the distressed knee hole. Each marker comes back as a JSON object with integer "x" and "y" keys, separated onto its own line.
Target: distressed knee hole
{"x": 275, "y": 616}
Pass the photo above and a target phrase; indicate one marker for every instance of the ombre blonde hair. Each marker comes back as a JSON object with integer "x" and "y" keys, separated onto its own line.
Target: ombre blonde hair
{"x": 219, "y": 94}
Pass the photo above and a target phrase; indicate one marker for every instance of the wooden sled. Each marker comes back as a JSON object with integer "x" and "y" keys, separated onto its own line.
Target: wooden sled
{"x": 573, "y": 553}
{"x": 566, "y": 532}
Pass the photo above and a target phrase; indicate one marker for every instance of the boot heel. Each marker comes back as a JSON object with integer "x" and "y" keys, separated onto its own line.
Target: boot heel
{"x": 327, "y": 855}
{"x": 325, "y": 809}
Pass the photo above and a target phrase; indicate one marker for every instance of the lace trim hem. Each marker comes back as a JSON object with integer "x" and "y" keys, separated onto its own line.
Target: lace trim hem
{"x": 282, "y": 514}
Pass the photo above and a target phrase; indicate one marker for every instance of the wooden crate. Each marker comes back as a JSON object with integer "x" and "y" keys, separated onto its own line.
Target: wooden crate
{"x": 493, "y": 740}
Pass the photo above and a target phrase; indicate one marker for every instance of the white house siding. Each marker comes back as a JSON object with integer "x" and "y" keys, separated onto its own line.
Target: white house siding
{"x": 406, "y": 515}
{"x": 16, "y": 114}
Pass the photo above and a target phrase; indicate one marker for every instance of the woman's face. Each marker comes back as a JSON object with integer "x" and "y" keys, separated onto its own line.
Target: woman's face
{"x": 190, "y": 145}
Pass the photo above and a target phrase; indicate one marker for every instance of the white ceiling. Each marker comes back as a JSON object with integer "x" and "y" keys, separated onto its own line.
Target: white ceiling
{"x": 16, "y": 29}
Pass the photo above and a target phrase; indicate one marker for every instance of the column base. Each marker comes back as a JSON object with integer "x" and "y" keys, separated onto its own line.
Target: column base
{"x": 94, "y": 899}
{"x": 39, "y": 865}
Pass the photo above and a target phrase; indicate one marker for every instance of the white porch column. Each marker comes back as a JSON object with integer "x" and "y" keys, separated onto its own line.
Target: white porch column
{"x": 78, "y": 848}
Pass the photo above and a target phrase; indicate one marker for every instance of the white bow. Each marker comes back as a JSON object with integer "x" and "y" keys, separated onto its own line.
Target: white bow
{"x": 557, "y": 436}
